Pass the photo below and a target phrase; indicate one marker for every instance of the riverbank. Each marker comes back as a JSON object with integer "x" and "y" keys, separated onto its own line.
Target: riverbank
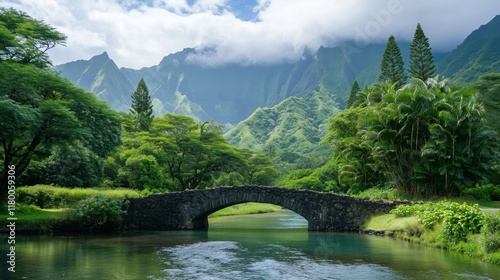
{"x": 474, "y": 234}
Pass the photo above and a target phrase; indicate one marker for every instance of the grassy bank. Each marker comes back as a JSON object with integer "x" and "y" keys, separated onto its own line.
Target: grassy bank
{"x": 247, "y": 208}
{"x": 33, "y": 219}
{"x": 444, "y": 225}
{"x": 46, "y": 208}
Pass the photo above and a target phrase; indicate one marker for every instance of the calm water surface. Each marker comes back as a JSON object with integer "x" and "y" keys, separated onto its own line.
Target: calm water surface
{"x": 266, "y": 246}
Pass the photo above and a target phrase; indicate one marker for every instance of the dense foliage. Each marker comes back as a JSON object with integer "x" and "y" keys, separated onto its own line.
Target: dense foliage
{"x": 175, "y": 154}
{"x": 491, "y": 232}
{"x": 40, "y": 111}
{"x": 425, "y": 139}
{"x": 98, "y": 212}
{"x": 458, "y": 220}
{"x": 48, "y": 196}
{"x": 489, "y": 95}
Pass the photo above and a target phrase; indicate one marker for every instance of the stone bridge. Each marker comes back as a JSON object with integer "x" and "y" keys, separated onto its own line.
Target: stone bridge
{"x": 189, "y": 210}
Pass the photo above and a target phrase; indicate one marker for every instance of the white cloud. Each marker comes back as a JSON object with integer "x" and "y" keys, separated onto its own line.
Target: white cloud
{"x": 141, "y": 33}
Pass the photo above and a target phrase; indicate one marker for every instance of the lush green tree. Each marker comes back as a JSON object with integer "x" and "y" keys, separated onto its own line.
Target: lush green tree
{"x": 74, "y": 166}
{"x": 489, "y": 95}
{"x": 427, "y": 139}
{"x": 353, "y": 149}
{"x": 421, "y": 58}
{"x": 261, "y": 171}
{"x": 142, "y": 108}
{"x": 196, "y": 153}
{"x": 144, "y": 172}
{"x": 392, "y": 68}
{"x": 352, "y": 95}
{"x": 39, "y": 109}
{"x": 102, "y": 124}
{"x": 26, "y": 40}
{"x": 187, "y": 155}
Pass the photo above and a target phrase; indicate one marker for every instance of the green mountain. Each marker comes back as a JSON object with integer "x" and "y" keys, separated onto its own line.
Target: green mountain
{"x": 101, "y": 76}
{"x": 227, "y": 94}
{"x": 295, "y": 125}
{"x": 230, "y": 93}
{"x": 478, "y": 54}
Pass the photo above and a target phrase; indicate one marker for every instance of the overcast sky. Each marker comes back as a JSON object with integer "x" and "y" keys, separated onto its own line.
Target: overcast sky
{"x": 140, "y": 33}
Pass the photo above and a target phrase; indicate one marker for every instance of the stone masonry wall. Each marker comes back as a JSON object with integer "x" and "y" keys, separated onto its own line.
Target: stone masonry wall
{"x": 188, "y": 210}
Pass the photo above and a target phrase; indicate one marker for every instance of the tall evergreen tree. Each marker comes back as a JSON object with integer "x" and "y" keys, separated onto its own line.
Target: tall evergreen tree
{"x": 392, "y": 68}
{"x": 421, "y": 58}
{"x": 142, "y": 108}
{"x": 352, "y": 96}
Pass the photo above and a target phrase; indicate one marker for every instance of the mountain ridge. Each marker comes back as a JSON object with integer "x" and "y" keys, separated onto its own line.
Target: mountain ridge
{"x": 476, "y": 55}
{"x": 230, "y": 93}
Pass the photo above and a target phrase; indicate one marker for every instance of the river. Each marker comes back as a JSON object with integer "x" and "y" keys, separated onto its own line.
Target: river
{"x": 264, "y": 246}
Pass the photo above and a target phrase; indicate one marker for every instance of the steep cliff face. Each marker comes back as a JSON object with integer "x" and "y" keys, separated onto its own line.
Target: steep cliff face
{"x": 478, "y": 54}
{"x": 101, "y": 76}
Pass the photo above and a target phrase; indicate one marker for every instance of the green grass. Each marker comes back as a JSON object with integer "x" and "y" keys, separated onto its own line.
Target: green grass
{"x": 31, "y": 218}
{"x": 247, "y": 208}
{"x": 48, "y": 196}
{"x": 33, "y": 213}
{"x": 389, "y": 222}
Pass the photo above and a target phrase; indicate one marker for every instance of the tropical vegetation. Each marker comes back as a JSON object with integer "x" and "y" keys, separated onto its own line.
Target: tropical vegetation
{"x": 448, "y": 225}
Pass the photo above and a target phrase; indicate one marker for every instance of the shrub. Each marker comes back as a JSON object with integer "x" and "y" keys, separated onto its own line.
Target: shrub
{"x": 492, "y": 222}
{"x": 310, "y": 182}
{"x": 484, "y": 192}
{"x": 491, "y": 232}
{"x": 98, "y": 212}
{"x": 491, "y": 243}
{"x": 408, "y": 210}
{"x": 458, "y": 219}
{"x": 298, "y": 174}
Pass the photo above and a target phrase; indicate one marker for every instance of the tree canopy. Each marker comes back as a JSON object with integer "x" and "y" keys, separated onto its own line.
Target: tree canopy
{"x": 176, "y": 154}
{"x": 39, "y": 109}
{"x": 426, "y": 139}
{"x": 26, "y": 40}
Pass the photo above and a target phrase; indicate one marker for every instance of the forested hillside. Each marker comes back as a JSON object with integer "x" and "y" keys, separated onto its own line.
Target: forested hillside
{"x": 291, "y": 130}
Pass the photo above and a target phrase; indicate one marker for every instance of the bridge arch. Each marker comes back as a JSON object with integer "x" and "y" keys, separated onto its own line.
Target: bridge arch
{"x": 280, "y": 197}
{"x": 189, "y": 210}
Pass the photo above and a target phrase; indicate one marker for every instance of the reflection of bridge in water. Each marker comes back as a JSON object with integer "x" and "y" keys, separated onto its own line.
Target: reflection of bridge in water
{"x": 189, "y": 210}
